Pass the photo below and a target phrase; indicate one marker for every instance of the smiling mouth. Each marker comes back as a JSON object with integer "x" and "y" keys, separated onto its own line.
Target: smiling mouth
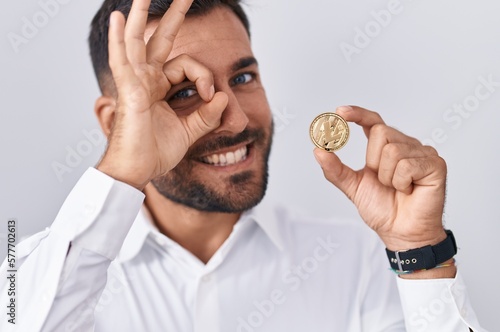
{"x": 227, "y": 158}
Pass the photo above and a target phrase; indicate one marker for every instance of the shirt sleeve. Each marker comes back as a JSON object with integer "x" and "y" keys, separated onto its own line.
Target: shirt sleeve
{"x": 381, "y": 308}
{"x": 437, "y": 305}
{"x": 61, "y": 271}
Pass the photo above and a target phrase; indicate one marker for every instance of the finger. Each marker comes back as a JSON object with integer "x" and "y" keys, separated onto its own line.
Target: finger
{"x": 118, "y": 61}
{"x": 182, "y": 67}
{"x": 360, "y": 116}
{"x": 380, "y": 136}
{"x": 134, "y": 31}
{"x": 427, "y": 171}
{"x": 393, "y": 153}
{"x": 206, "y": 119}
{"x": 342, "y": 176}
{"x": 161, "y": 42}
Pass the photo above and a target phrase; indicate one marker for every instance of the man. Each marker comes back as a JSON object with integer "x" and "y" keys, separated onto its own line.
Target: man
{"x": 189, "y": 131}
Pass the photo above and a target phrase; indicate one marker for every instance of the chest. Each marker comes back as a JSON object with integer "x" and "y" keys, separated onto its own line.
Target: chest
{"x": 249, "y": 290}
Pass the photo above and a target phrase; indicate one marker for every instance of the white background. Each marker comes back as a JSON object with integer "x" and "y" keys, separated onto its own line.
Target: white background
{"x": 429, "y": 57}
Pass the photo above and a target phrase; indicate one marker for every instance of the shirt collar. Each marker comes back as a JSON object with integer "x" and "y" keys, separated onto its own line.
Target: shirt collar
{"x": 141, "y": 228}
{"x": 264, "y": 215}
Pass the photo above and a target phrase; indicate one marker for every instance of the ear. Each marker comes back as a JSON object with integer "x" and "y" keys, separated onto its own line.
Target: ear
{"x": 105, "y": 111}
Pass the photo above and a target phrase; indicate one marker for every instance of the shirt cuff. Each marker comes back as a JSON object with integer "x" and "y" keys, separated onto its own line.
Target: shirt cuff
{"x": 98, "y": 213}
{"x": 437, "y": 305}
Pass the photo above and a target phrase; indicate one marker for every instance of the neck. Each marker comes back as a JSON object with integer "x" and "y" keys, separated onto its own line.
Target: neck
{"x": 199, "y": 232}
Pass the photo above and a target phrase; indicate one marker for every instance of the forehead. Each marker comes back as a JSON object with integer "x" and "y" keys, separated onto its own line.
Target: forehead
{"x": 214, "y": 39}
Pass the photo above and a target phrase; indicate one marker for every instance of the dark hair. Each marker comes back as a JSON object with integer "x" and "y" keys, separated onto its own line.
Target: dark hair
{"x": 98, "y": 38}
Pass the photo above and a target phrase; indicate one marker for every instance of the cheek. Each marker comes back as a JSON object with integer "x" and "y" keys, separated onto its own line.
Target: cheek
{"x": 256, "y": 107}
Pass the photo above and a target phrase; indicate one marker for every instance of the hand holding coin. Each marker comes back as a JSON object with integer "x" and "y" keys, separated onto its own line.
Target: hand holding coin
{"x": 399, "y": 192}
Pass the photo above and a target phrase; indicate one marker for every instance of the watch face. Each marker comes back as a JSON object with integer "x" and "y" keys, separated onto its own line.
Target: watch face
{"x": 329, "y": 131}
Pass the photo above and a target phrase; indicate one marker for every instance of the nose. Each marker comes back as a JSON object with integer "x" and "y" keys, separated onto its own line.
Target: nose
{"x": 234, "y": 120}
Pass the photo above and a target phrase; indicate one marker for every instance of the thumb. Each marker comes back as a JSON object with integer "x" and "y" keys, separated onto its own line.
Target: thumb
{"x": 207, "y": 118}
{"x": 342, "y": 176}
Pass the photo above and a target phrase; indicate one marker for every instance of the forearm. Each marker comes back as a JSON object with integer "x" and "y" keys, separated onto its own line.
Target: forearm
{"x": 63, "y": 270}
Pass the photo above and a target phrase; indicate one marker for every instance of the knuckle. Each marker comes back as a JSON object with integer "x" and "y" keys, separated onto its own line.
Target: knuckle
{"x": 378, "y": 129}
{"x": 174, "y": 73}
{"x": 391, "y": 151}
{"x": 415, "y": 149}
{"x": 431, "y": 151}
{"x": 440, "y": 163}
{"x": 413, "y": 141}
{"x": 377, "y": 115}
{"x": 169, "y": 36}
{"x": 405, "y": 167}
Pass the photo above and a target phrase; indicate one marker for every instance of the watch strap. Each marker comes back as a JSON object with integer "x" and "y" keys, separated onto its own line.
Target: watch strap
{"x": 423, "y": 258}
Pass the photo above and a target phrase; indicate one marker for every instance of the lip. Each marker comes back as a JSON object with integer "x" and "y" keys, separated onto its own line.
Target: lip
{"x": 233, "y": 167}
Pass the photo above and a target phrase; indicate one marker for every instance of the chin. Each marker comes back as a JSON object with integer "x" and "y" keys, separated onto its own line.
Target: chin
{"x": 238, "y": 193}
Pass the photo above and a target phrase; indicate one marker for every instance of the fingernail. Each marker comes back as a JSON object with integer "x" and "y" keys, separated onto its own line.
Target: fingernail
{"x": 344, "y": 109}
{"x": 212, "y": 92}
{"x": 111, "y": 20}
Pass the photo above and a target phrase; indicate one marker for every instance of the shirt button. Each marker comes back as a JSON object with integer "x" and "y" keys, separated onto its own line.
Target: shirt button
{"x": 206, "y": 278}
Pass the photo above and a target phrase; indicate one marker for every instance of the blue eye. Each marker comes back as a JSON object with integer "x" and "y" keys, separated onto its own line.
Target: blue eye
{"x": 243, "y": 79}
{"x": 185, "y": 93}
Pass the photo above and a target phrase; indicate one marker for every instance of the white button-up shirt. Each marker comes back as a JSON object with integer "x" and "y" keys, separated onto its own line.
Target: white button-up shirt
{"x": 104, "y": 266}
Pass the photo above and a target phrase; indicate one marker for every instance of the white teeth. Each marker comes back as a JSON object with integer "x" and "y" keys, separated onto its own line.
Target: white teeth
{"x": 222, "y": 159}
{"x": 228, "y": 158}
{"x": 237, "y": 154}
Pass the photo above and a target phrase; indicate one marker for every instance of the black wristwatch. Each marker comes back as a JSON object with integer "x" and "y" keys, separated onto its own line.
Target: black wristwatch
{"x": 423, "y": 258}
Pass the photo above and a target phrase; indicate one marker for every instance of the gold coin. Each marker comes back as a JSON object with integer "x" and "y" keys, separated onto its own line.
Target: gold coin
{"x": 329, "y": 131}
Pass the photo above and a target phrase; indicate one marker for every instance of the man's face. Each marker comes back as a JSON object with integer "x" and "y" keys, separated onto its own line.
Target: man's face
{"x": 225, "y": 171}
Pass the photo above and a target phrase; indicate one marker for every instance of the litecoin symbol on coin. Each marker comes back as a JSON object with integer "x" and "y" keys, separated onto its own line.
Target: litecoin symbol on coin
{"x": 329, "y": 131}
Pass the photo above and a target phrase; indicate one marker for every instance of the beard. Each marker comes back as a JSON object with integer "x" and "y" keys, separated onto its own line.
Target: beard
{"x": 237, "y": 193}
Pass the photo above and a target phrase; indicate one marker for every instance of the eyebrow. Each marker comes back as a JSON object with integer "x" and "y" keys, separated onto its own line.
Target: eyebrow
{"x": 243, "y": 63}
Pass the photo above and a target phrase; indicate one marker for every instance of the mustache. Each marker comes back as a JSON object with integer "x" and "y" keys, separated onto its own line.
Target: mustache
{"x": 221, "y": 142}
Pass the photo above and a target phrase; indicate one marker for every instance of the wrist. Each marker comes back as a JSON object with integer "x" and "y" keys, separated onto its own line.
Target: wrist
{"x": 425, "y": 261}
{"x": 415, "y": 241}
{"x": 447, "y": 270}
{"x": 121, "y": 176}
